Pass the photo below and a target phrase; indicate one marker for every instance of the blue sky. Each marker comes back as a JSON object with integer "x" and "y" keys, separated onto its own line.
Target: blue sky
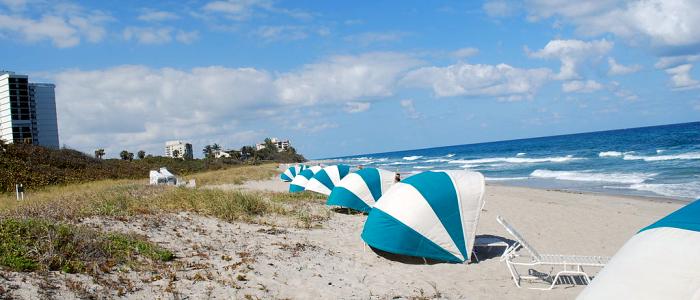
{"x": 352, "y": 77}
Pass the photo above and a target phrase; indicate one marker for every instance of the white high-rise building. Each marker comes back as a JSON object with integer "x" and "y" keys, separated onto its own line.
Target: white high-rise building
{"x": 27, "y": 111}
{"x": 178, "y": 149}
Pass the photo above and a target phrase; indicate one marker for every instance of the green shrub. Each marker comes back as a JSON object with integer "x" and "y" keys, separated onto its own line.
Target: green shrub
{"x": 35, "y": 244}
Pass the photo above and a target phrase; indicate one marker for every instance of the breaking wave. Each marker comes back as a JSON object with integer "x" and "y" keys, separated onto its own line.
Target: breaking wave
{"x": 630, "y": 178}
{"x": 689, "y": 155}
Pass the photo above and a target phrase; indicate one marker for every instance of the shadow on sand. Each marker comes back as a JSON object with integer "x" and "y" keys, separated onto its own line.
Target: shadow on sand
{"x": 484, "y": 253}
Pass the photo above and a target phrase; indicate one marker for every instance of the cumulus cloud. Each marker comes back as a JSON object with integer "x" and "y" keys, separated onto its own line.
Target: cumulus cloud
{"x": 63, "y": 27}
{"x": 500, "y": 8}
{"x": 134, "y": 106}
{"x": 663, "y": 23}
{"x": 678, "y": 68}
{"x": 131, "y": 105}
{"x": 356, "y": 107}
{"x": 465, "y": 52}
{"x": 158, "y": 35}
{"x": 579, "y": 86}
{"x": 158, "y": 16}
{"x": 240, "y": 10}
{"x": 410, "y": 109}
{"x": 368, "y": 38}
{"x": 572, "y": 53}
{"x": 619, "y": 69}
{"x": 681, "y": 79}
{"x": 464, "y": 79}
{"x": 344, "y": 78}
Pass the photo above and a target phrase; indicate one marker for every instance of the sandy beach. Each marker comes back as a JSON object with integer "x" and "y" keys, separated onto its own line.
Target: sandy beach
{"x": 218, "y": 259}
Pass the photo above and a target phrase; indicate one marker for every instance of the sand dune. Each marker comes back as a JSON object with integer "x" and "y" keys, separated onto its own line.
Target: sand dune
{"x": 238, "y": 260}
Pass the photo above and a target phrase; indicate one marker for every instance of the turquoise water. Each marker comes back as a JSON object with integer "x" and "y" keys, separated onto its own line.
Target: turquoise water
{"x": 648, "y": 161}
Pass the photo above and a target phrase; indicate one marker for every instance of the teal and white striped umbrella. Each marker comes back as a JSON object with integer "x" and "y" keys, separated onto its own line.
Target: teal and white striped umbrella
{"x": 291, "y": 172}
{"x": 430, "y": 214}
{"x": 300, "y": 181}
{"x": 361, "y": 189}
{"x": 661, "y": 261}
{"x": 325, "y": 180}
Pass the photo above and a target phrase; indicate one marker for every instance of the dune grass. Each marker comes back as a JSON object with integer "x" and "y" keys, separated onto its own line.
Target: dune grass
{"x": 34, "y": 244}
{"x": 236, "y": 175}
{"x": 123, "y": 198}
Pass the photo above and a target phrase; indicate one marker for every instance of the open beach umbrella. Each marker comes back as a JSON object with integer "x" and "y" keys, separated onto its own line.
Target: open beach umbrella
{"x": 291, "y": 172}
{"x": 432, "y": 214}
{"x": 300, "y": 181}
{"x": 361, "y": 189}
{"x": 662, "y": 261}
{"x": 325, "y": 180}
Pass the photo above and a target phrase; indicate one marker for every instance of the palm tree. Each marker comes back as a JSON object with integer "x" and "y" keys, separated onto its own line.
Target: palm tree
{"x": 131, "y": 156}
{"x": 124, "y": 155}
{"x": 141, "y": 154}
{"x": 176, "y": 153}
{"x": 99, "y": 153}
{"x": 207, "y": 151}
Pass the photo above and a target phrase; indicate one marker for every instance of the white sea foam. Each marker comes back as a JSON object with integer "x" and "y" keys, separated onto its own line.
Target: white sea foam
{"x": 690, "y": 190}
{"x": 659, "y": 151}
{"x": 520, "y": 154}
{"x": 450, "y": 155}
{"x": 631, "y": 178}
{"x": 689, "y": 155}
{"x": 399, "y": 163}
{"x": 434, "y": 160}
{"x": 515, "y": 160}
{"x": 423, "y": 167}
{"x": 505, "y": 178}
{"x": 412, "y": 157}
{"x": 610, "y": 154}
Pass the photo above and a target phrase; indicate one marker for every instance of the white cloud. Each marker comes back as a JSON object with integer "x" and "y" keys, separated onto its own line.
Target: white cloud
{"x": 129, "y": 106}
{"x": 240, "y": 10}
{"x": 158, "y": 16}
{"x": 237, "y": 10}
{"x": 672, "y": 61}
{"x": 464, "y": 79}
{"x": 368, "y": 38}
{"x": 344, "y": 78}
{"x": 15, "y": 5}
{"x": 356, "y": 107}
{"x": 680, "y": 77}
{"x": 410, "y": 109}
{"x": 579, "y": 86}
{"x": 158, "y": 35}
{"x": 571, "y": 53}
{"x": 283, "y": 32}
{"x": 465, "y": 52}
{"x": 664, "y": 23}
{"x": 678, "y": 68}
{"x": 64, "y": 28}
{"x": 618, "y": 69}
{"x": 500, "y": 8}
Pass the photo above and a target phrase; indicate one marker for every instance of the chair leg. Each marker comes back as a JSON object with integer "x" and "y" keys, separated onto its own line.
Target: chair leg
{"x": 513, "y": 273}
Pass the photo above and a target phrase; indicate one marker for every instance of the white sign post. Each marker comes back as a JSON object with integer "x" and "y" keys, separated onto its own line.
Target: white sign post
{"x": 19, "y": 188}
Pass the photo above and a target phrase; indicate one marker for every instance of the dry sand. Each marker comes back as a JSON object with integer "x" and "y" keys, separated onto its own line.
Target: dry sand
{"x": 237, "y": 260}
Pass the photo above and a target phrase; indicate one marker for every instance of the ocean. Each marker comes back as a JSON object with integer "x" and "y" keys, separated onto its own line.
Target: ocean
{"x": 647, "y": 161}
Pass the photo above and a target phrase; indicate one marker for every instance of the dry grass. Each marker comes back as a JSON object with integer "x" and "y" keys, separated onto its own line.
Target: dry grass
{"x": 32, "y": 244}
{"x": 237, "y": 175}
{"x": 123, "y": 198}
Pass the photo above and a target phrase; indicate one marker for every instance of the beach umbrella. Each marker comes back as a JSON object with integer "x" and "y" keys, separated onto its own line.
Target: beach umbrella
{"x": 291, "y": 172}
{"x": 325, "y": 180}
{"x": 361, "y": 189}
{"x": 661, "y": 261}
{"x": 300, "y": 181}
{"x": 432, "y": 214}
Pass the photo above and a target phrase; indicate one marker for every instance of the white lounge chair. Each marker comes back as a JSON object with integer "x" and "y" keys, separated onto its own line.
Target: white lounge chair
{"x": 572, "y": 265}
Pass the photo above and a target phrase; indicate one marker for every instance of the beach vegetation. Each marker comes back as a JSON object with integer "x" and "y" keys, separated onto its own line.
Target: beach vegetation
{"x": 30, "y": 244}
